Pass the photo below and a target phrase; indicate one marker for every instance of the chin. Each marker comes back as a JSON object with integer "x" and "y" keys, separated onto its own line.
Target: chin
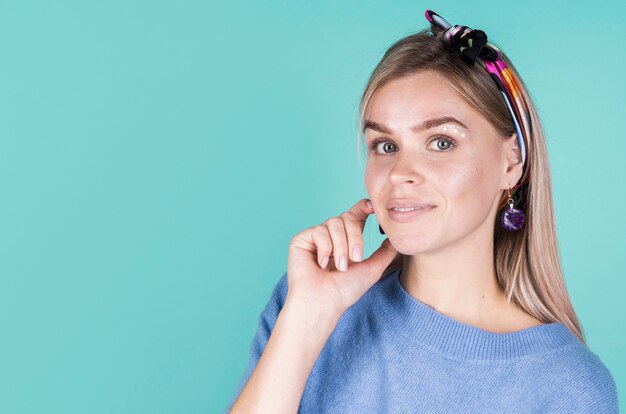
{"x": 410, "y": 244}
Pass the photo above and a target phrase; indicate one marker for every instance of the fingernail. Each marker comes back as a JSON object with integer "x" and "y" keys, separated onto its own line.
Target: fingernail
{"x": 369, "y": 204}
{"x": 324, "y": 262}
{"x": 342, "y": 263}
{"x": 356, "y": 254}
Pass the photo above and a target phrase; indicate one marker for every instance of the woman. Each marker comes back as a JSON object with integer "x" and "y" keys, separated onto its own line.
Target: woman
{"x": 464, "y": 307}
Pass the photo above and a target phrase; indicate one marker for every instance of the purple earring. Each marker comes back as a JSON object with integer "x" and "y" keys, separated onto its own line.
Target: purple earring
{"x": 512, "y": 219}
{"x": 380, "y": 229}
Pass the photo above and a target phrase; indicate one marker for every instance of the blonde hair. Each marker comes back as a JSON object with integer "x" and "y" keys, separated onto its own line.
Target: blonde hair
{"x": 527, "y": 261}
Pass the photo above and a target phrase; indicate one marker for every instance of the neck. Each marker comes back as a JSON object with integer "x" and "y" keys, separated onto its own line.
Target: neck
{"x": 458, "y": 280}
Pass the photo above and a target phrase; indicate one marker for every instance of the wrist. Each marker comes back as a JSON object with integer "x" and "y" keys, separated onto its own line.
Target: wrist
{"x": 311, "y": 315}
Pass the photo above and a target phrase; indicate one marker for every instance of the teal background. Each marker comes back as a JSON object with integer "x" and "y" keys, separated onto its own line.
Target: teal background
{"x": 157, "y": 157}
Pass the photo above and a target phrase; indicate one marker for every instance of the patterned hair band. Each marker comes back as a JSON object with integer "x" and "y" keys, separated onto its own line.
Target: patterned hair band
{"x": 472, "y": 45}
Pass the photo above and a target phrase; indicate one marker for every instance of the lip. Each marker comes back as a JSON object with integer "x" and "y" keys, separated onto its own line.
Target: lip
{"x": 405, "y": 203}
{"x": 408, "y": 216}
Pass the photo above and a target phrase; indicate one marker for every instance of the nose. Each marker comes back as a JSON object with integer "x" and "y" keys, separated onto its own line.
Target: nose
{"x": 405, "y": 170}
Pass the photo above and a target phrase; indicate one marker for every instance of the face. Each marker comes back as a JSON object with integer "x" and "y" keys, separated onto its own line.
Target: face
{"x": 456, "y": 171}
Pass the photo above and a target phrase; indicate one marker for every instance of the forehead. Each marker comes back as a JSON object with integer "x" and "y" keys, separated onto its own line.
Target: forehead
{"x": 418, "y": 96}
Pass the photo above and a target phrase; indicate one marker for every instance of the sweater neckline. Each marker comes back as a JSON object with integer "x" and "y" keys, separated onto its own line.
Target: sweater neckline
{"x": 431, "y": 329}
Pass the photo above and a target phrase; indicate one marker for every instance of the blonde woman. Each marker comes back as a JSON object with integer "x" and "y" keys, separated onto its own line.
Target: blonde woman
{"x": 463, "y": 308}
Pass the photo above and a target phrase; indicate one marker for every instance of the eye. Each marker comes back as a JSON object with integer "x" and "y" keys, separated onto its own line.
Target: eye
{"x": 444, "y": 144}
{"x": 373, "y": 146}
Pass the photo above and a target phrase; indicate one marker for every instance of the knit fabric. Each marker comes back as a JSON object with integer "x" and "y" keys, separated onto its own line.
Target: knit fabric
{"x": 391, "y": 353}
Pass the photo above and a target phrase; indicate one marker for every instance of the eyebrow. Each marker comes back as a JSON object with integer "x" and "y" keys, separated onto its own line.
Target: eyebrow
{"x": 428, "y": 124}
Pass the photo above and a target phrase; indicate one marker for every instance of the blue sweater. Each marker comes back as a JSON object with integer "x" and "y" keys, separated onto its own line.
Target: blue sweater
{"x": 391, "y": 353}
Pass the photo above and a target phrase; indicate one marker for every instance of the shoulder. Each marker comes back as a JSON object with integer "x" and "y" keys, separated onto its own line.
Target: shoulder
{"x": 280, "y": 289}
{"x": 363, "y": 318}
{"x": 277, "y": 298}
{"x": 582, "y": 382}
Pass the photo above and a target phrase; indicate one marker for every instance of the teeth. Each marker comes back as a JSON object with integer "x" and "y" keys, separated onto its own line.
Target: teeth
{"x": 405, "y": 209}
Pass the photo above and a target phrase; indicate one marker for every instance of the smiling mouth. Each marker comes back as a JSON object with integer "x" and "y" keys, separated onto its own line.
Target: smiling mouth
{"x": 408, "y": 214}
{"x": 405, "y": 209}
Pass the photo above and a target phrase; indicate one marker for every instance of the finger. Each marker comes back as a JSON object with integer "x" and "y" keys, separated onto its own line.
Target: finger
{"x": 340, "y": 242}
{"x": 380, "y": 259}
{"x": 354, "y": 233}
{"x": 321, "y": 238}
{"x": 361, "y": 211}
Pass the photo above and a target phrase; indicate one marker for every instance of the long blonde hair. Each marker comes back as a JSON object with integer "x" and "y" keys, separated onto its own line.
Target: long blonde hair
{"x": 527, "y": 261}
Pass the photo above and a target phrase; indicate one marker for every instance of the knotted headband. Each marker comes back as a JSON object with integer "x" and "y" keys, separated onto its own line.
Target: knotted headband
{"x": 472, "y": 46}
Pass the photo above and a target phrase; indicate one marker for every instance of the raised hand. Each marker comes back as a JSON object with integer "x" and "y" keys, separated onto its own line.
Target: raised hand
{"x": 317, "y": 255}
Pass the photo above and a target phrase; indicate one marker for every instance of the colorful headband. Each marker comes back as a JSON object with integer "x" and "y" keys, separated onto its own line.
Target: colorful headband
{"x": 472, "y": 45}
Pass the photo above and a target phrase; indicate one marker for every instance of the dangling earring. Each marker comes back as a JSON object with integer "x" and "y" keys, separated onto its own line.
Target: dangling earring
{"x": 380, "y": 229}
{"x": 512, "y": 219}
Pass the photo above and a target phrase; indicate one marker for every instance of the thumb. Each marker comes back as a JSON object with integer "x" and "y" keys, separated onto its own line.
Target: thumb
{"x": 380, "y": 259}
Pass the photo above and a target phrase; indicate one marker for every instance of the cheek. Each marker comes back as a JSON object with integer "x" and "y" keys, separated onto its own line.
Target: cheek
{"x": 459, "y": 179}
{"x": 374, "y": 179}
{"x": 469, "y": 187}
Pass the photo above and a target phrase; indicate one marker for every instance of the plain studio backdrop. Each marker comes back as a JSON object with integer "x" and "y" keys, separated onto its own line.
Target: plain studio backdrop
{"x": 157, "y": 157}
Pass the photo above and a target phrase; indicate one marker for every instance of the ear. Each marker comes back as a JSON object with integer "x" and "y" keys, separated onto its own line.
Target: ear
{"x": 512, "y": 155}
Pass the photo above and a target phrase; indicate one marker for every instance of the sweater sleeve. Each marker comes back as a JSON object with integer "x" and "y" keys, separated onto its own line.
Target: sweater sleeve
{"x": 592, "y": 390}
{"x": 266, "y": 321}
